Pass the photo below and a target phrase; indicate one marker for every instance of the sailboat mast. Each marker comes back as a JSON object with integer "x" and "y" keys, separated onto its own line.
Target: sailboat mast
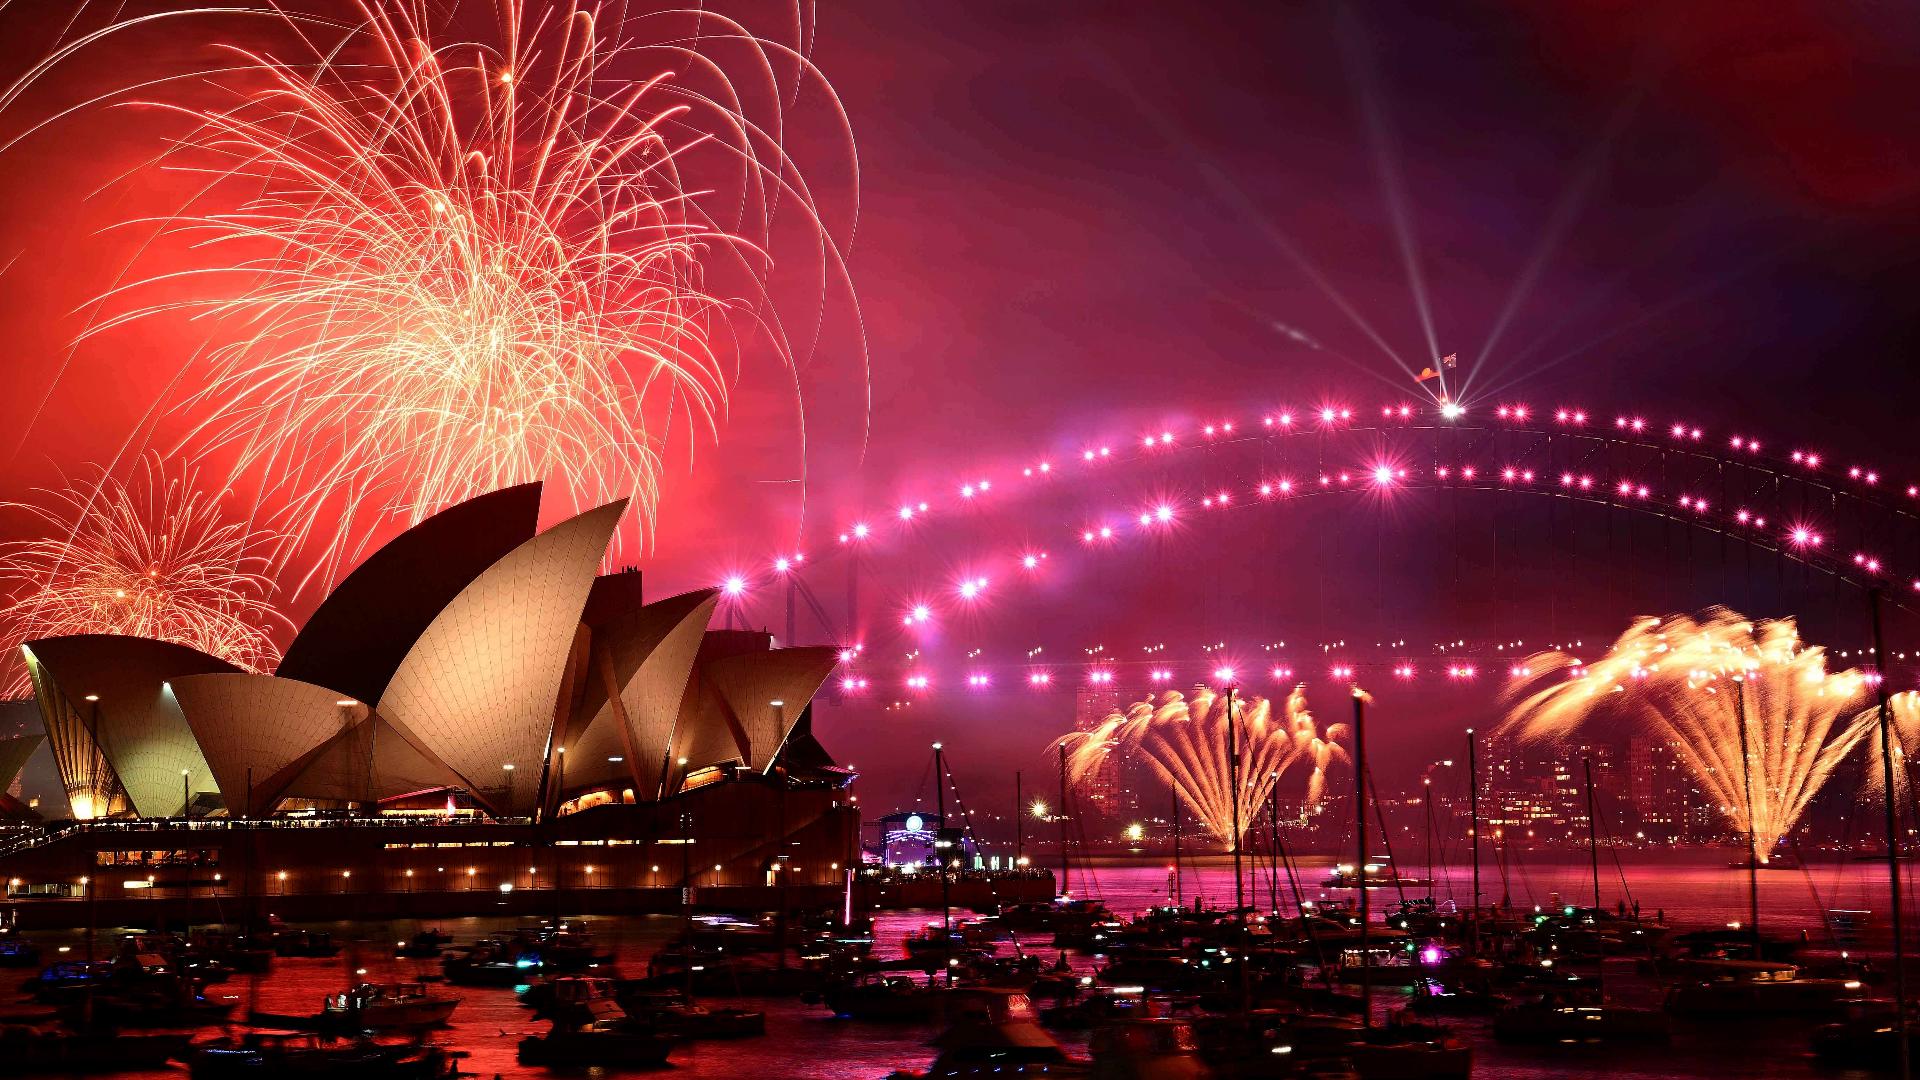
{"x": 1064, "y": 868}
{"x": 1473, "y": 828}
{"x": 1426, "y": 800}
{"x": 1360, "y": 849}
{"x": 1753, "y": 840}
{"x": 1233, "y": 784}
{"x": 1893, "y": 833}
{"x": 1019, "y": 822}
{"x": 1273, "y": 814}
{"x": 1179, "y": 890}
{"x": 1593, "y": 834}
{"x": 940, "y": 847}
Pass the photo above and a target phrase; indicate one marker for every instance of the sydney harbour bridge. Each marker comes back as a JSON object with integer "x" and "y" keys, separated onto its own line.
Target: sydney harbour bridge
{"x": 1499, "y": 513}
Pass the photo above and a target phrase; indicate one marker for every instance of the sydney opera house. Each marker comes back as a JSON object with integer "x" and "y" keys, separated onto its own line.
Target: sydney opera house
{"x": 474, "y": 711}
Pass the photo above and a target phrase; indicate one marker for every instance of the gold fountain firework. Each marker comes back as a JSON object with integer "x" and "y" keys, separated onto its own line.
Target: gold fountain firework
{"x": 152, "y": 558}
{"x": 1706, "y": 686}
{"x": 1904, "y": 707}
{"x": 1184, "y": 738}
{"x": 442, "y": 262}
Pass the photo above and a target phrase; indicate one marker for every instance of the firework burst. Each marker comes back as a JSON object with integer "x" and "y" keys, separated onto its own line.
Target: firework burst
{"x": 155, "y": 558}
{"x": 1747, "y": 708}
{"x": 442, "y": 263}
{"x": 1904, "y": 708}
{"x": 1185, "y": 741}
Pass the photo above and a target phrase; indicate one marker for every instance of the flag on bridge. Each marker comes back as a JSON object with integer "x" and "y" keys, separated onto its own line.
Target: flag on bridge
{"x": 1425, "y": 374}
{"x": 1450, "y": 361}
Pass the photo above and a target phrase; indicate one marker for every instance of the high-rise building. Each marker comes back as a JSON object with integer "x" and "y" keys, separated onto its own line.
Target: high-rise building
{"x": 1571, "y": 765}
{"x": 1110, "y": 789}
{"x": 1669, "y": 804}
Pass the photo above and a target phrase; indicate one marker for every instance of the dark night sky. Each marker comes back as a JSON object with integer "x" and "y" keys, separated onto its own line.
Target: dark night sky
{"x": 1092, "y": 218}
{"x": 1089, "y": 217}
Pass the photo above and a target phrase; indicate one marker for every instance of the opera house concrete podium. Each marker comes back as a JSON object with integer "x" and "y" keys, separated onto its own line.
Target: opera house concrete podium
{"x": 472, "y": 720}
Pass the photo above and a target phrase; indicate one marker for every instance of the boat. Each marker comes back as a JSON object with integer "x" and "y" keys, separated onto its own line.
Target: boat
{"x": 1779, "y": 860}
{"x": 1058, "y": 981}
{"x": 666, "y": 1012}
{"x": 165, "y": 956}
{"x": 1550, "y": 1019}
{"x": 1104, "y": 1004}
{"x": 497, "y": 961}
{"x": 1433, "y": 996}
{"x": 231, "y": 951}
{"x": 17, "y": 951}
{"x": 1053, "y": 916}
{"x": 1866, "y": 1040}
{"x": 1091, "y": 934}
{"x": 931, "y": 939}
{"x": 598, "y": 1033}
{"x": 27, "y": 1049}
{"x": 1253, "y": 1042}
{"x": 389, "y": 1007}
{"x": 161, "y": 1001}
{"x": 678, "y": 1016}
{"x": 1386, "y": 961}
{"x": 731, "y": 934}
{"x": 292, "y": 1055}
{"x": 1409, "y": 1050}
{"x": 56, "y": 981}
{"x": 1148, "y": 1048}
{"x": 993, "y": 1034}
{"x": 424, "y": 945}
{"x": 1380, "y": 875}
{"x": 550, "y": 997}
{"x": 308, "y": 943}
{"x": 881, "y": 996}
{"x": 1758, "y": 988}
{"x": 564, "y": 946}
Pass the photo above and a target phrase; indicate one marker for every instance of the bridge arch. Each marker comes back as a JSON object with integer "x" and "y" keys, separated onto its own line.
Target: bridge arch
{"x": 1853, "y": 523}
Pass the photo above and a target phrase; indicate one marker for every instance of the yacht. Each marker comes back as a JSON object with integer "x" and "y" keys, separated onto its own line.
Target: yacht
{"x": 390, "y": 1007}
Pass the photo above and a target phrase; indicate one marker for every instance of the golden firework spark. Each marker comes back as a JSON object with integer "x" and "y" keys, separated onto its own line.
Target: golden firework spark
{"x": 1707, "y": 686}
{"x": 1904, "y": 708}
{"x": 155, "y": 558}
{"x": 441, "y": 262}
{"x": 1185, "y": 741}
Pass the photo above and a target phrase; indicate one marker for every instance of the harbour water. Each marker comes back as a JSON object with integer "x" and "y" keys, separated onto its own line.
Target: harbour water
{"x": 804, "y": 1042}
{"x": 1695, "y": 887}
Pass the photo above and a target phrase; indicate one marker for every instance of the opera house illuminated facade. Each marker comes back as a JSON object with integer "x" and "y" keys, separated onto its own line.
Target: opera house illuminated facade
{"x": 473, "y": 690}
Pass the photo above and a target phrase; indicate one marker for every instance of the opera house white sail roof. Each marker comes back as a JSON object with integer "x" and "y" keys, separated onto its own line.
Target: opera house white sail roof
{"x": 471, "y": 654}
